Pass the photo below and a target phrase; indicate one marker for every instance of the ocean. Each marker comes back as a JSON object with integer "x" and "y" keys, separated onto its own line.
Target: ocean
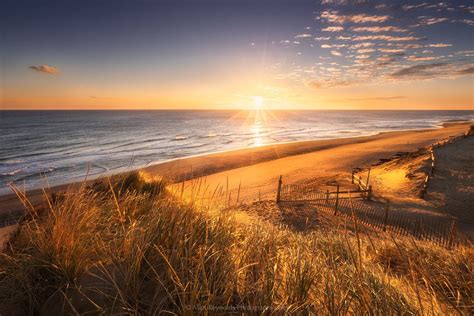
{"x": 55, "y": 147}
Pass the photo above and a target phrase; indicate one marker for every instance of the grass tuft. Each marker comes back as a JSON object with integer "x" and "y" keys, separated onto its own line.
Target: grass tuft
{"x": 127, "y": 246}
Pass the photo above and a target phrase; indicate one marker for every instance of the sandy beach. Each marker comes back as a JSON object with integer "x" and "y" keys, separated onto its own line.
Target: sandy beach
{"x": 257, "y": 169}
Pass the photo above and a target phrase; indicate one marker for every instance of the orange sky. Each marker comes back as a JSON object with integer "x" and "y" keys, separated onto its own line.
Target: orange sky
{"x": 186, "y": 55}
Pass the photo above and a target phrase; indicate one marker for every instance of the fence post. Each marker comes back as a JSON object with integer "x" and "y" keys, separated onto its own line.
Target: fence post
{"x": 327, "y": 196}
{"x": 368, "y": 178}
{"x": 369, "y": 193}
{"x": 352, "y": 178}
{"x": 279, "y": 189}
{"x": 360, "y": 180}
{"x": 238, "y": 193}
{"x": 386, "y": 215}
{"x": 337, "y": 200}
{"x": 452, "y": 234}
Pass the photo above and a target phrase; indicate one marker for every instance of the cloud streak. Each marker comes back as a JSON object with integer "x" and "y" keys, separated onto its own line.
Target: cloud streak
{"x": 418, "y": 70}
{"x": 335, "y": 17}
{"x": 46, "y": 69}
{"x": 333, "y": 29}
{"x": 387, "y": 38}
{"x": 387, "y": 98}
{"x": 378, "y": 29}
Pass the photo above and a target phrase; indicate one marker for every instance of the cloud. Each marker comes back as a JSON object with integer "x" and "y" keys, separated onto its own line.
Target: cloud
{"x": 329, "y": 83}
{"x": 333, "y": 29}
{"x": 391, "y": 50}
{"x": 335, "y": 53}
{"x": 439, "y": 45}
{"x": 409, "y": 7}
{"x": 467, "y": 71}
{"x": 333, "y": 46}
{"x": 343, "y": 38}
{"x": 335, "y": 17}
{"x": 46, "y": 69}
{"x": 378, "y": 29}
{"x": 363, "y": 56}
{"x": 360, "y": 45}
{"x": 365, "y": 50}
{"x": 322, "y": 38}
{"x": 431, "y": 21}
{"x": 467, "y": 21}
{"x": 415, "y": 58}
{"x": 418, "y": 70}
{"x": 387, "y": 38}
{"x": 405, "y": 46}
{"x": 468, "y": 53}
{"x": 305, "y": 35}
{"x": 387, "y": 98}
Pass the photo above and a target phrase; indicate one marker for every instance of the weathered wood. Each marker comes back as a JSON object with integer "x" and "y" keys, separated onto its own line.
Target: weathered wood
{"x": 452, "y": 233}
{"x": 337, "y": 200}
{"x": 279, "y": 190}
{"x": 368, "y": 178}
{"x": 386, "y": 215}
{"x": 238, "y": 193}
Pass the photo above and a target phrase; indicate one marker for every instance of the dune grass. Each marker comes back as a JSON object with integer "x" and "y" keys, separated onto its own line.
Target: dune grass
{"x": 125, "y": 246}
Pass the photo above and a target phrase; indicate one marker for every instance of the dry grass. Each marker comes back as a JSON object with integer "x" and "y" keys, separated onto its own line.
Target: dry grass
{"x": 128, "y": 247}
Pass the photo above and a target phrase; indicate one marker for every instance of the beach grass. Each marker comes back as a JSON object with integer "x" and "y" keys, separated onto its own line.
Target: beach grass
{"x": 127, "y": 246}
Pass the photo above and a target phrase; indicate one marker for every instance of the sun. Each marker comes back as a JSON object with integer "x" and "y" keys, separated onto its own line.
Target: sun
{"x": 258, "y": 102}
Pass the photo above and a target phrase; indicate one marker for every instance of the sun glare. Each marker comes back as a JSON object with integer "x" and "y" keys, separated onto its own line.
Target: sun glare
{"x": 258, "y": 102}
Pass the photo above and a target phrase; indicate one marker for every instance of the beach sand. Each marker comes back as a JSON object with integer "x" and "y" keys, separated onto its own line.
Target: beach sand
{"x": 256, "y": 170}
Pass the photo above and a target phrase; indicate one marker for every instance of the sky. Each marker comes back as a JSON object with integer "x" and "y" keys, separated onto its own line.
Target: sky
{"x": 234, "y": 54}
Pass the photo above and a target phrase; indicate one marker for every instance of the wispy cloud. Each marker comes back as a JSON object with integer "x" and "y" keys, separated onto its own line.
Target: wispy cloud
{"x": 333, "y": 29}
{"x": 378, "y": 29}
{"x": 383, "y": 98}
{"x": 333, "y": 45}
{"x": 422, "y": 58}
{"x": 431, "y": 21}
{"x": 467, "y": 21}
{"x": 391, "y": 50}
{"x": 466, "y": 71}
{"x": 305, "y": 35}
{"x": 439, "y": 45}
{"x": 365, "y": 50}
{"x": 46, "y": 69}
{"x": 328, "y": 83}
{"x": 335, "y": 17}
{"x": 361, "y": 45}
{"x": 415, "y": 6}
{"x": 388, "y": 38}
{"x": 418, "y": 70}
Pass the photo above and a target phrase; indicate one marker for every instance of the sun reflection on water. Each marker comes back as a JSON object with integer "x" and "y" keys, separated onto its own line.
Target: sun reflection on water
{"x": 256, "y": 129}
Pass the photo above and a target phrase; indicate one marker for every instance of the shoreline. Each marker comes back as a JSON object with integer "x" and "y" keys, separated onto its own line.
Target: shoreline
{"x": 310, "y": 145}
{"x": 203, "y": 165}
{"x": 64, "y": 178}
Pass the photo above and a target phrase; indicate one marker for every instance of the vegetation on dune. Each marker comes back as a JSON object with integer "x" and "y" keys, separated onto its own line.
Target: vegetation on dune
{"x": 129, "y": 247}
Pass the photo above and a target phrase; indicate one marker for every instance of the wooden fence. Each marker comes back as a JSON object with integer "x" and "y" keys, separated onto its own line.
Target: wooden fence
{"x": 431, "y": 149}
{"x": 302, "y": 193}
{"x": 441, "y": 230}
